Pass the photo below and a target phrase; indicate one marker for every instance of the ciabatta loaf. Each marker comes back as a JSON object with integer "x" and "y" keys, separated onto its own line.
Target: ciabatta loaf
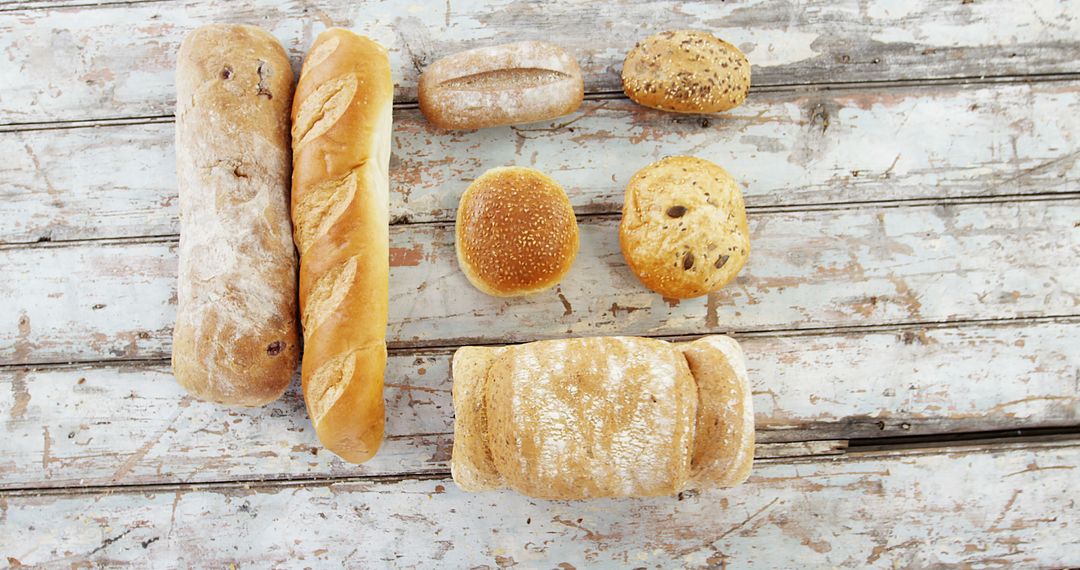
{"x": 602, "y": 417}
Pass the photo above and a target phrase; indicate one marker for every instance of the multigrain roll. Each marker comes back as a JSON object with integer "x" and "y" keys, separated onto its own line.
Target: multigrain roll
{"x": 516, "y": 233}
{"x": 602, "y": 417}
{"x": 686, "y": 71}
{"x": 341, "y": 154}
{"x": 506, "y": 84}
{"x": 235, "y": 340}
{"x": 683, "y": 230}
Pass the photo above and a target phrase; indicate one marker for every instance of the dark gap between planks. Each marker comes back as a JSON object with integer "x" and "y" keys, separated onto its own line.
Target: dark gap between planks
{"x": 604, "y": 95}
{"x": 1060, "y": 437}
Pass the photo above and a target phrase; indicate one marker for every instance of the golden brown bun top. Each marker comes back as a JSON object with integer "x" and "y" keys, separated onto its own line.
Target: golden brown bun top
{"x": 516, "y": 232}
{"x": 686, "y": 71}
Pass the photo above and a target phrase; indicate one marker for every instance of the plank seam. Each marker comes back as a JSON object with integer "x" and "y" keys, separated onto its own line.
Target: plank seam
{"x": 1071, "y": 439}
{"x": 60, "y": 124}
{"x": 23, "y": 7}
{"x": 437, "y": 350}
{"x": 894, "y": 203}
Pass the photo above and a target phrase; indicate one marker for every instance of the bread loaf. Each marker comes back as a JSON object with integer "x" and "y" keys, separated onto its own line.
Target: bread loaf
{"x": 235, "y": 339}
{"x": 683, "y": 230}
{"x": 501, "y": 85}
{"x": 341, "y": 153}
{"x": 602, "y": 417}
{"x": 516, "y": 233}
{"x": 686, "y": 71}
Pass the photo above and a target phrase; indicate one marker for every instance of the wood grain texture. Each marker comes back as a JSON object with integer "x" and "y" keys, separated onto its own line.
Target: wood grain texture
{"x": 996, "y": 506}
{"x": 809, "y": 269}
{"x": 132, "y": 423}
{"x": 785, "y": 148}
{"x": 117, "y": 60}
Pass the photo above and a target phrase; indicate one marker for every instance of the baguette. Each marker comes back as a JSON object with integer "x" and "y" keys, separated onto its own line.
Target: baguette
{"x": 235, "y": 341}
{"x": 602, "y": 417}
{"x": 341, "y": 154}
{"x": 507, "y": 84}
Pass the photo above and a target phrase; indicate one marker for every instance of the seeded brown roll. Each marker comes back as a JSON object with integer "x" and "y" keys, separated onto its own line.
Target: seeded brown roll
{"x": 516, "y": 232}
{"x": 683, "y": 230}
{"x": 687, "y": 72}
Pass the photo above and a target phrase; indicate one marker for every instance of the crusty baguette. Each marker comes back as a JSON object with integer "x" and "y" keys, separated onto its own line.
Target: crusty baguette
{"x": 602, "y": 417}
{"x": 506, "y": 84}
{"x": 341, "y": 155}
{"x": 235, "y": 340}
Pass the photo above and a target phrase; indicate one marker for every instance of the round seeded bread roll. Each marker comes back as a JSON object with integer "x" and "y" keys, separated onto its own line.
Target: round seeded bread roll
{"x": 687, "y": 72}
{"x": 516, "y": 232}
{"x": 683, "y": 229}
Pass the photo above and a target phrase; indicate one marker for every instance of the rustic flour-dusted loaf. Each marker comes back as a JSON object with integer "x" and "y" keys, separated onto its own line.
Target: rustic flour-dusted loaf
{"x": 602, "y": 417}
{"x": 235, "y": 339}
{"x": 341, "y": 155}
{"x": 507, "y": 84}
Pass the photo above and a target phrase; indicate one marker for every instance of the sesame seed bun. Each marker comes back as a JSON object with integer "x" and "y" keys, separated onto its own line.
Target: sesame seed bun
{"x": 686, "y": 71}
{"x": 516, "y": 233}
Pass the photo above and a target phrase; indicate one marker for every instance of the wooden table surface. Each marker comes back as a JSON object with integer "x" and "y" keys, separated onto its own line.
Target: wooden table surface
{"x": 911, "y": 309}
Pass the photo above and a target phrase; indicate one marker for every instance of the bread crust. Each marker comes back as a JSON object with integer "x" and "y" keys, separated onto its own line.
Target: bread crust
{"x": 516, "y": 233}
{"x": 724, "y": 442}
{"x": 683, "y": 230}
{"x": 471, "y": 465}
{"x": 602, "y": 417}
{"x": 508, "y": 84}
{"x": 235, "y": 341}
{"x": 686, "y": 71}
{"x": 341, "y": 151}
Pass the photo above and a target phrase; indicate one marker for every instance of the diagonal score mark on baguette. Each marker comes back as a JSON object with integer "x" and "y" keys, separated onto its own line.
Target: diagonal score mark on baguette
{"x": 322, "y": 109}
{"x": 328, "y": 382}
{"x": 328, "y": 294}
{"x": 504, "y": 78}
{"x": 320, "y": 207}
{"x": 319, "y": 55}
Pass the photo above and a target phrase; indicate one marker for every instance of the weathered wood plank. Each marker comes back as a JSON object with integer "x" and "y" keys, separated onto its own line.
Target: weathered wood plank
{"x": 132, "y": 424}
{"x": 117, "y": 60}
{"x": 981, "y": 507}
{"x": 809, "y": 269}
{"x": 785, "y": 148}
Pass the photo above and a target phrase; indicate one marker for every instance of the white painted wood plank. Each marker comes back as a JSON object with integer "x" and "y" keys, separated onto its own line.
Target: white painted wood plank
{"x": 784, "y": 148}
{"x": 117, "y": 60}
{"x": 132, "y": 424}
{"x": 1000, "y": 506}
{"x": 809, "y": 269}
